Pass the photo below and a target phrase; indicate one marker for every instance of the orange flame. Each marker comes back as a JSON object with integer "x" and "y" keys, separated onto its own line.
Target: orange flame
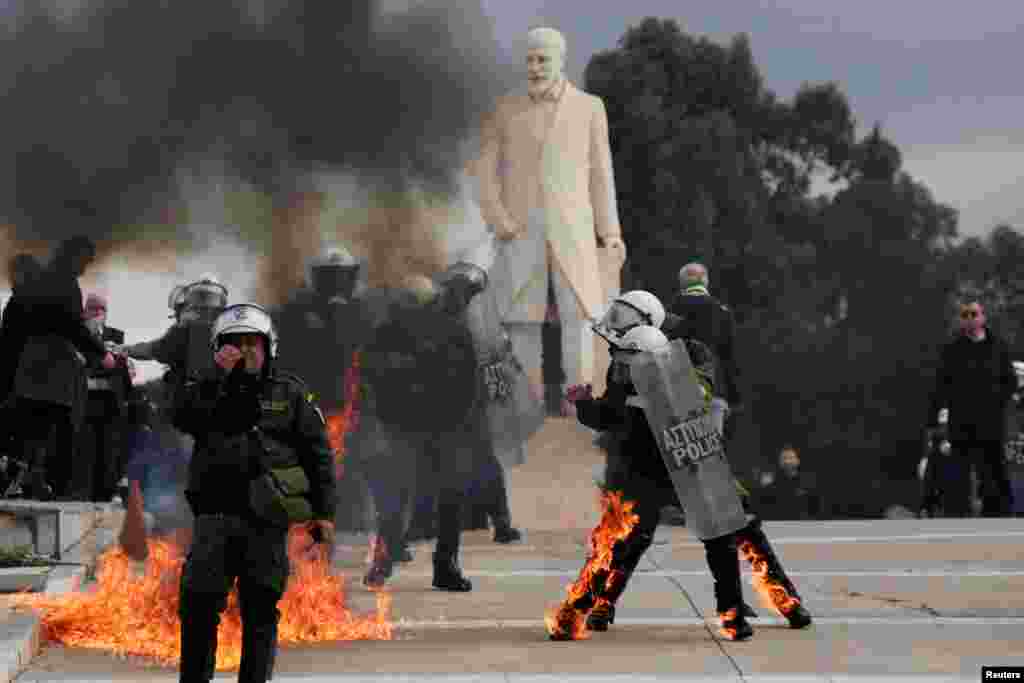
{"x": 132, "y": 615}
{"x": 566, "y": 622}
{"x": 340, "y": 424}
{"x": 772, "y": 593}
{"x": 727, "y": 631}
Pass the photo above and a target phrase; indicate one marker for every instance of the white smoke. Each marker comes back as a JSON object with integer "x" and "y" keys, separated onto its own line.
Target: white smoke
{"x": 467, "y": 238}
{"x": 137, "y": 290}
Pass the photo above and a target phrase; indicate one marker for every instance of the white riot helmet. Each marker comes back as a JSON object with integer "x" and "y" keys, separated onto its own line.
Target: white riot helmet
{"x": 245, "y": 319}
{"x": 206, "y": 292}
{"x": 628, "y": 310}
{"x": 176, "y": 298}
{"x": 642, "y": 338}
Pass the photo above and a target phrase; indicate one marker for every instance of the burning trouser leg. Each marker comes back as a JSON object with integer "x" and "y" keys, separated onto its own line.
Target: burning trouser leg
{"x": 753, "y": 544}
{"x": 607, "y": 587}
{"x": 724, "y": 564}
{"x": 390, "y": 462}
{"x": 387, "y": 500}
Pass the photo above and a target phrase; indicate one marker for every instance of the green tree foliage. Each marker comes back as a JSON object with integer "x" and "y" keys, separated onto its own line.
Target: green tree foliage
{"x": 842, "y": 300}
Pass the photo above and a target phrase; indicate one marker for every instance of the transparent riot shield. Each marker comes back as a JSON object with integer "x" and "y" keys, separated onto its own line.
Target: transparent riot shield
{"x": 691, "y": 446}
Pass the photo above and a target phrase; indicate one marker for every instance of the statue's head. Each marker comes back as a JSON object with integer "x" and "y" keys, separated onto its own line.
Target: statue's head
{"x": 545, "y": 59}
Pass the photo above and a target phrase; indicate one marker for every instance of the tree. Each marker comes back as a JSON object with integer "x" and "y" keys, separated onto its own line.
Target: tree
{"x": 841, "y": 301}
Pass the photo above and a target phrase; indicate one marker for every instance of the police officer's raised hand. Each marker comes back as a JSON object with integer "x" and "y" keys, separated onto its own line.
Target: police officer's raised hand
{"x": 227, "y": 357}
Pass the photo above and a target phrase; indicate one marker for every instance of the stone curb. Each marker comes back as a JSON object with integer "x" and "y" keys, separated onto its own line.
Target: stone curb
{"x": 21, "y": 635}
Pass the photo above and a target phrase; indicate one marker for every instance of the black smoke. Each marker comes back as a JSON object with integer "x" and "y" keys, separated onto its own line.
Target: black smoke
{"x": 100, "y": 109}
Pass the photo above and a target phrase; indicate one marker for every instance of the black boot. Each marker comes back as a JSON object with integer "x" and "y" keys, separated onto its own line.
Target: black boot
{"x": 734, "y": 626}
{"x": 404, "y": 555}
{"x": 382, "y": 566}
{"x": 475, "y": 518}
{"x": 504, "y": 532}
{"x": 608, "y": 588}
{"x": 792, "y": 609}
{"x": 448, "y": 575}
{"x": 601, "y": 617}
{"x": 724, "y": 563}
{"x": 379, "y": 572}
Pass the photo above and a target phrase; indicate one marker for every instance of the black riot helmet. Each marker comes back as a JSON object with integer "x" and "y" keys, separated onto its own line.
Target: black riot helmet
{"x": 334, "y": 274}
{"x": 459, "y": 284}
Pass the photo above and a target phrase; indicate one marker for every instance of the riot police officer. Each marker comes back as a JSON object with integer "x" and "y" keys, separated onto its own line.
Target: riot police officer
{"x": 508, "y": 411}
{"x": 250, "y": 422}
{"x": 420, "y": 390}
{"x": 184, "y": 347}
{"x": 319, "y": 322}
{"x": 645, "y": 480}
{"x": 319, "y": 319}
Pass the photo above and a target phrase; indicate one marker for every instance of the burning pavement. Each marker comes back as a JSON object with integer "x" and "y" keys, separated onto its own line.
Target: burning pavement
{"x": 132, "y": 615}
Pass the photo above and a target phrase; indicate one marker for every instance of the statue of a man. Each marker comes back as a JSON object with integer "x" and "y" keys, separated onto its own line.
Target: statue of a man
{"x": 548, "y": 191}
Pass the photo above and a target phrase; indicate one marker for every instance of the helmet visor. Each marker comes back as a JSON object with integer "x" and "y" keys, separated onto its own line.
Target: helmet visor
{"x": 206, "y": 297}
{"x": 621, "y": 318}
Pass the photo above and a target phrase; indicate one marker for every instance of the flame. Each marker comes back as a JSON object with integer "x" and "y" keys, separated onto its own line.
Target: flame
{"x": 727, "y": 631}
{"x": 772, "y": 593}
{"x": 567, "y": 622}
{"x": 137, "y": 615}
{"x": 341, "y": 423}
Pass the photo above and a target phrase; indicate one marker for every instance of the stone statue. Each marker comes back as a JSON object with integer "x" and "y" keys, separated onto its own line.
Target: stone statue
{"x": 547, "y": 190}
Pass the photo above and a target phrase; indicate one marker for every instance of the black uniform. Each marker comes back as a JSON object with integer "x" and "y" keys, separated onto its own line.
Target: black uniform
{"x": 418, "y": 422}
{"x": 242, "y": 424}
{"x": 99, "y": 462}
{"x": 709, "y": 321}
{"x": 707, "y": 327}
{"x": 319, "y": 329}
{"x": 975, "y": 382}
{"x": 643, "y": 479}
{"x": 49, "y": 382}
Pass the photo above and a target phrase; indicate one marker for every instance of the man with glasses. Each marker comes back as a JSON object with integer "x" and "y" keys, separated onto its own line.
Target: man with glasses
{"x": 974, "y": 382}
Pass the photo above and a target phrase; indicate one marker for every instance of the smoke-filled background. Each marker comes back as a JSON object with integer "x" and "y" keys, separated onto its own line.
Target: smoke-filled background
{"x": 188, "y": 137}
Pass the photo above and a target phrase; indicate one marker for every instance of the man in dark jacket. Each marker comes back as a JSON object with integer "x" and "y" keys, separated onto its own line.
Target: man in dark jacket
{"x": 793, "y": 493}
{"x": 25, "y": 271}
{"x": 50, "y": 384}
{"x": 975, "y": 382}
{"x": 99, "y": 460}
{"x": 249, "y": 419}
{"x": 695, "y": 314}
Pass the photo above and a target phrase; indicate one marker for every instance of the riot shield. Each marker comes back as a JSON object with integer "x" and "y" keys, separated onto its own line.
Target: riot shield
{"x": 680, "y": 416}
{"x": 513, "y": 415}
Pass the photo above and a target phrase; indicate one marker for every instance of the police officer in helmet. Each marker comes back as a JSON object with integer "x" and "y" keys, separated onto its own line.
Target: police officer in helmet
{"x": 251, "y": 423}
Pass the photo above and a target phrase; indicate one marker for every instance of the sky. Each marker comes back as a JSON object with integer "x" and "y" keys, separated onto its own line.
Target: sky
{"x": 943, "y": 79}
